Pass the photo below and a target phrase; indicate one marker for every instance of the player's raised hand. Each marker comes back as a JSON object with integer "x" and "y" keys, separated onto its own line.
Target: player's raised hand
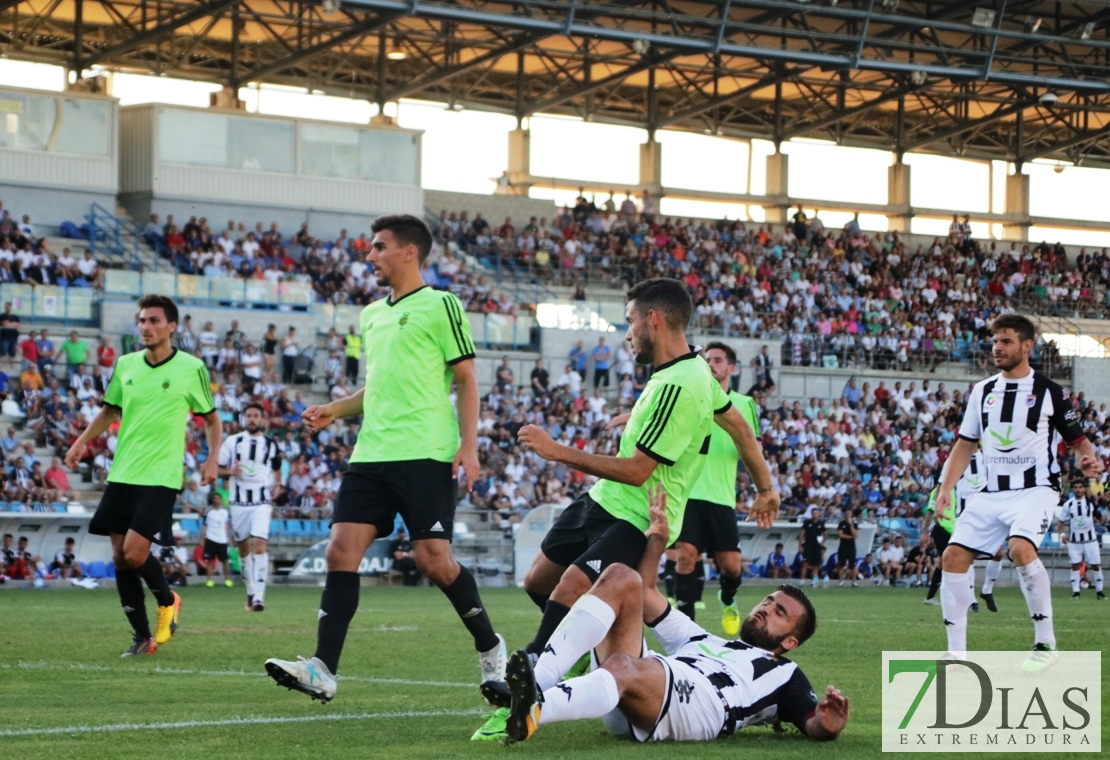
{"x": 538, "y": 439}
{"x": 467, "y": 457}
{"x": 316, "y": 418}
{"x": 833, "y": 711}
{"x": 619, "y": 421}
{"x": 765, "y": 508}
{"x": 1091, "y": 466}
{"x": 73, "y": 456}
{"x": 657, "y": 513}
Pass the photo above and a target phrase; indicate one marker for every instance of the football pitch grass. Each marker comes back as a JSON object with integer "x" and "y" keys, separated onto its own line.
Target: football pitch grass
{"x": 408, "y": 677}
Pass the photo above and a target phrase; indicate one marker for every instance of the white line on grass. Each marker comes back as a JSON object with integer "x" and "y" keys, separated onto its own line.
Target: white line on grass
{"x": 43, "y": 665}
{"x": 117, "y": 727}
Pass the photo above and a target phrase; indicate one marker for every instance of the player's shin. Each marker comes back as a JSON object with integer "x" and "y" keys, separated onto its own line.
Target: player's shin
{"x": 1038, "y": 596}
{"x": 955, "y": 599}
{"x": 553, "y": 614}
{"x": 130, "y": 588}
{"x": 584, "y": 627}
{"x": 685, "y": 593}
{"x": 338, "y": 604}
{"x": 1074, "y": 581}
{"x": 151, "y": 572}
{"x": 593, "y": 695}
{"x": 729, "y": 587}
{"x": 260, "y": 570}
{"x": 246, "y": 562}
{"x": 463, "y": 595}
{"x": 994, "y": 569}
{"x": 1096, "y": 576}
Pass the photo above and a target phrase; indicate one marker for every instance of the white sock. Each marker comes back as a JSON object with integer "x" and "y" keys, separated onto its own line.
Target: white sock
{"x": 1075, "y": 581}
{"x": 590, "y": 696}
{"x": 955, "y": 599}
{"x": 994, "y": 569}
{"x": 584, "y": 627}
{"x": 1097, "y": 576}
{"x": 247, "y": 573}
{"x": 1038, "y": 596}
{"x": 260, "y": 569}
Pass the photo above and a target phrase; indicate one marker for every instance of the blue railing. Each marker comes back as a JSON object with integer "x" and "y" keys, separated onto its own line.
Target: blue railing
{"x": 120, "y": 239}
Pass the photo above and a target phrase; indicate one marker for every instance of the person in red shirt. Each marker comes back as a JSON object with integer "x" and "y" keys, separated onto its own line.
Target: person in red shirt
{"x": 105, "y": 354}
{"x": 29, "y": 348}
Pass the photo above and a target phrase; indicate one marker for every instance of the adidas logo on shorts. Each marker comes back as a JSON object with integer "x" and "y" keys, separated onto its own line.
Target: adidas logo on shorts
{"x": 437, "y": 528}
{"x": 595, "y": 565}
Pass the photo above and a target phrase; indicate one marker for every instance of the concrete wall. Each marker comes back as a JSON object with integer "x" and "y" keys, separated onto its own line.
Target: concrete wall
{"x": 117, "y": 316}
{"x": 1092, "y": 377}
{"x": 49, "y": 207}
{"x": 493, "y": 207}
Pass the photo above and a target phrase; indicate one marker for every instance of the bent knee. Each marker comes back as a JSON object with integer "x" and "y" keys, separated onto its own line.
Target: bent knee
{"x": 619, "y": 575}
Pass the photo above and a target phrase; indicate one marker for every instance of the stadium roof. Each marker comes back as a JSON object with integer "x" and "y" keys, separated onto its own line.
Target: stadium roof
{"x": 991, "y": 79}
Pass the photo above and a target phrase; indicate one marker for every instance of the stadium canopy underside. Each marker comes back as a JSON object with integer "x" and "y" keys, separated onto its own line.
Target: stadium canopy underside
{"x": 988, "y": 79}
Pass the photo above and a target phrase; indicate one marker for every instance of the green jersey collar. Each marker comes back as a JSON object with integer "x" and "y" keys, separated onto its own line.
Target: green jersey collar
{"x": 389, "y": 301}
{"x": 676, "y": 360}
{"x": 159, "y": 364}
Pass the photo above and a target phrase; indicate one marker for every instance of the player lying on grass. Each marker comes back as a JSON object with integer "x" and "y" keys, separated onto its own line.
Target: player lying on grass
{"x": 703, "y": 688}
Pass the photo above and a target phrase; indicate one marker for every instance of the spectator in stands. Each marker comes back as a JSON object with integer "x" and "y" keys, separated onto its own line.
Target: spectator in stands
{"x": 9, "y": 332}
{"x": 602, "y": 356}
{"x": 29, "y": 348}
{"x": 890, "y": 561}
{"x": 105, "y": 356}
{"x": 25, "y": 564}
{"x": 776, "y": 564}
{"x": 76, "y": 352}
{"x": 209, "y": 346}
{"x": 404, "y": 562}
{"x": 65, "y": 564}
{"x": 88, "y": 269}
{"x": 289, "y": 352}
{"x": 578, "y": 359}
{"x": 46, "y": 352}
{"x": 539, "y": 378}
{"x": 174, "y": 561}
{"x": 352, "y": 350}
{"x": 269, "y": 348}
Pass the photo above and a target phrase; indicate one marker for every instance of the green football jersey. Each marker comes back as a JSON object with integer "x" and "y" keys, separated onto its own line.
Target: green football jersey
{"x": 670, "y": 422}
{"x": 949, "y": 522}
{"x": 410, "y": 346}
{"x": 155, "y": 401}
{"x": 717, "y": 483}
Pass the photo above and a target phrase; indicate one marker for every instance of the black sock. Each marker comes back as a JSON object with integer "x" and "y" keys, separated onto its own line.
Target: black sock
{"x": 934, "y": 584}
{"x": 151, "y": 572}
{"x": 668, "y": 577}
{"x": 338, "y": 604}
{"x": 463, "y": 595}
{"x": 130, "y": 587}
{"x": 699, "y": 580}
{"x": 685, "y": 593}
{"x": 728, "y": 588}
{"x": 553, "y": 614}
{"x": 539, "y": 600}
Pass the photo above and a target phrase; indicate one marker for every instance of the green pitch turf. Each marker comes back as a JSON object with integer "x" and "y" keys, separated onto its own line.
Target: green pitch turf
{"x": 410, "y": 675}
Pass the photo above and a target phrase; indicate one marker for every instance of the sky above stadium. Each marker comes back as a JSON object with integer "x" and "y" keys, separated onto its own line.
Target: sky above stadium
{"x": 466, "y": 151}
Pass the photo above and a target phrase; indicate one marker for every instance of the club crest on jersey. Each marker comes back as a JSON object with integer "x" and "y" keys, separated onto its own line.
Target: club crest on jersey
{"x": 165, "y": 385}
{"x": 990, "y": 401}
{"x": 404, "y": 319}
{"x": 1030, "y": 400}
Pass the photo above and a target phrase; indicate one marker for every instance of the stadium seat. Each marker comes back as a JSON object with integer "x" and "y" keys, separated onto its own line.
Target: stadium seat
{"x": 59, "y": 507}
{"x": 4, "y": 506}
{"x": 110, "y": 569}
{"x": 97, "y": 570}
{"x": 321, "y": 530}
{"x": 277, "y": 528}
{"x": 191, "y": 526}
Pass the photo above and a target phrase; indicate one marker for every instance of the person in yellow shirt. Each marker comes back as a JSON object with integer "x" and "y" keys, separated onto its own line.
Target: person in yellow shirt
{"x": 354, "y": 348}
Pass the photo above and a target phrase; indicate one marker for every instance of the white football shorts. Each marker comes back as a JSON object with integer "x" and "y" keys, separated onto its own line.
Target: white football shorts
{"x": 990, "y": 518}
{"x": 251, "y": 522}
{"x": 1088, "y": 552}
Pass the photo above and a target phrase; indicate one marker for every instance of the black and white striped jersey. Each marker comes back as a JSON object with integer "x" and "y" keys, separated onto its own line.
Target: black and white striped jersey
{"x": 259, "y": 457}
{"x": 755, "y": 687}
{"x": 974, "y": 478}
{"x": 1079, "y": 513}
{"x": 1018, "y": 425}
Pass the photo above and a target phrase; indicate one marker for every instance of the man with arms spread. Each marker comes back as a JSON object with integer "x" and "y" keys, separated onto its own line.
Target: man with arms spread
{"x": 253, "y": 462}
{"x": 703, "y": 687}
{"x": 665, "y": 440}
{"x": 1018, "y": 417}
{"x": 709, "y": 523}
{"x": 151, "y": 395}
{"x": 407, "y": 457}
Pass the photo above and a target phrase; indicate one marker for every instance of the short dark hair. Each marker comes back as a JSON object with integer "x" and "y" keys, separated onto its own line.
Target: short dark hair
{"x": 808, "y": 623}
{"x": 778, "y": 546}
{"x": 254, "y": 405}
{"x": 155, "y": 301}
{"x": 408, "y": 230}
{"x": 23, "y": 538}
{"x": 69, "y": 540}
{"x": 730, "y": 354}
{"x": 1022, "y": 325}
{"x": 667, "y": 296}
{"x": 8, "y": 535}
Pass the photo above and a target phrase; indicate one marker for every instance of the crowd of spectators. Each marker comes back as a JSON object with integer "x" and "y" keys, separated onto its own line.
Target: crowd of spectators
{"x": 26, "y": 258}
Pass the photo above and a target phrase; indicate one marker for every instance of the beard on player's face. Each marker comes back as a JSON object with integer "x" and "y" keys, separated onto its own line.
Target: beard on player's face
{"x": 754, "y": 631}
{"x": 253, "y": 427}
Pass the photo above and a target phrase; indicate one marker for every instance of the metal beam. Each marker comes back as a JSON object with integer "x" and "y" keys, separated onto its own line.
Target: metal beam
{"x": 1079, "y": 139}
{"x": 436, "y": 76}
{"x": 999, "y": 113}
{"x": 844, "y": 113}
{"x": 596, "y": 84}
{"x": 161, "y": 31}
{"x": 323, "y": 46}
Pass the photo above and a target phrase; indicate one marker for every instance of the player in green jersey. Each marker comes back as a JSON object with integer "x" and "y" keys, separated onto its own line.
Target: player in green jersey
{"x": 709, "y": 524}
{"x": 151, "y": 394}
{"x": 408, "y": 453}
{"x": 665, "y": 439}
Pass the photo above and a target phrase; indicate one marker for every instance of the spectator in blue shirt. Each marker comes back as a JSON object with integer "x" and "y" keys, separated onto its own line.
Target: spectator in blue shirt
{"x": 866, "y": 566}
{"x": 776, "y": 564}
{"x": 852, "y": 395}
{"x": 578, "y": 359}
{"x": 9, "y": 442}
{"x": 602, "y": 357}
{"x": 46, "y": 351}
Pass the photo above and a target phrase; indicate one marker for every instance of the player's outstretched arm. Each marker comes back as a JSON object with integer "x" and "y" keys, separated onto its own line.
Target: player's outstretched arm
{"x": 632, "y": 471}
{"x": 1089, "y": 461}
{"x": 658, "y": 533}
{"x": 830, "y": 717}
{"x": 213, "y": 431}
{"x": 766, "y": 506}
{"x": 101, "y": 422}
{"x": 317, "y": 418}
